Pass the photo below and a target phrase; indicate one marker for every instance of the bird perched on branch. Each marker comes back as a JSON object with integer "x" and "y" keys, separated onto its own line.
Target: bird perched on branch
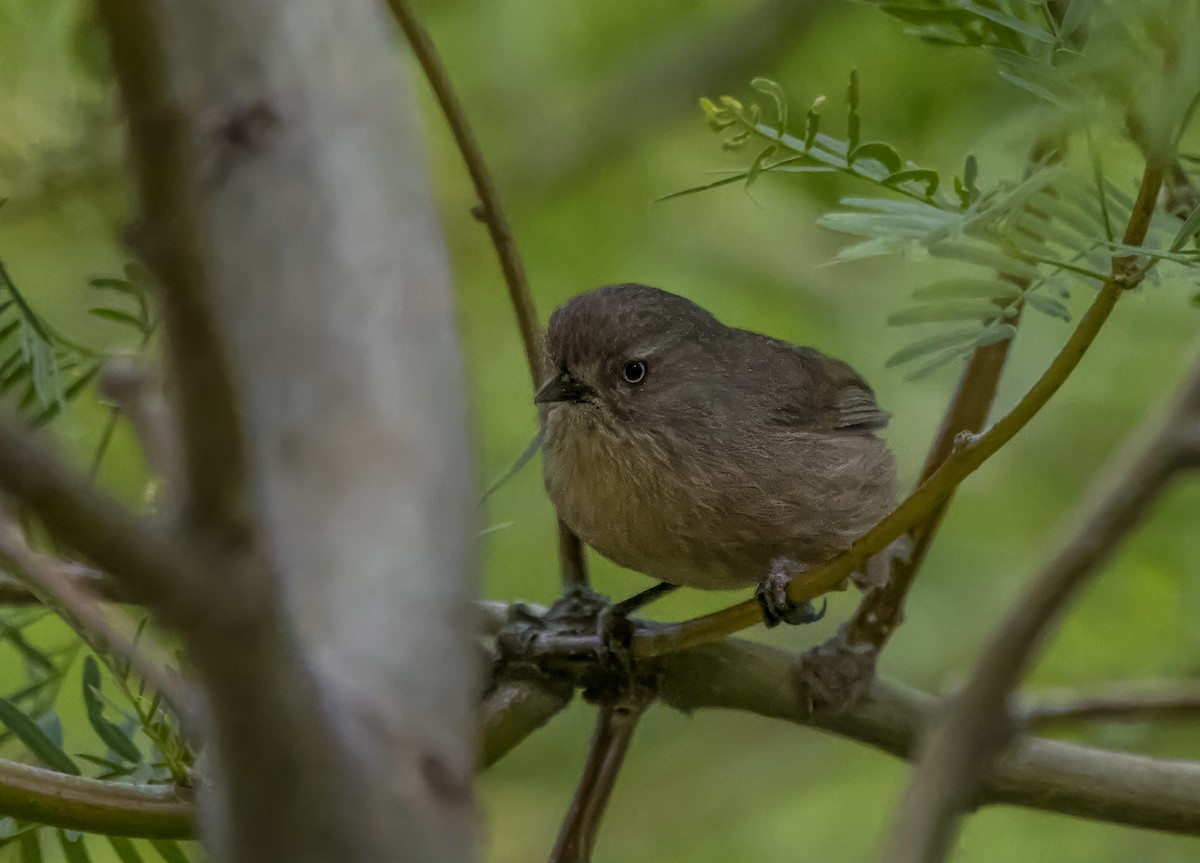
{"x": 704, "y": 455}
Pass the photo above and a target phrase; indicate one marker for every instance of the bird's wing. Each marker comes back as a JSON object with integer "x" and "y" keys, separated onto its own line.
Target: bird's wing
{"x": 823, "y": 393}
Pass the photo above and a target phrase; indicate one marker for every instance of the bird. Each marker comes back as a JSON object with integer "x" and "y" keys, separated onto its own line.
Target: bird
{"x": 703, "y": 455}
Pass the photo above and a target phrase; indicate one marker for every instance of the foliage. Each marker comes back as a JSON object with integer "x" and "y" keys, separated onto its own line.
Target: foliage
{"x": 1037, "y": 238}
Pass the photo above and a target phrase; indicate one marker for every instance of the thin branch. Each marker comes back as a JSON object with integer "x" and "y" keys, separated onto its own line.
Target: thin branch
{"x": 57, "y": 584}
{"x": 1140, "y": 701}
{"x": 572, "y": 562}
{"x": 139, "y": 556}
{"x": 962, "y": 463}
{"x": 95, "y": 806}
{"x": 491, "y": 211}
{"x": 978, "y": 720}
{"x": 170, "y": 240}
{"x": 615, "y": 724}
{"x": 15, "y": 593}
{"x": 514, "y": 709}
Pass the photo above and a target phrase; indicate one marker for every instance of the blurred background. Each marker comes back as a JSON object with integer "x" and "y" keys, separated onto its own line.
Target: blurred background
{"x": 588, "y": 113}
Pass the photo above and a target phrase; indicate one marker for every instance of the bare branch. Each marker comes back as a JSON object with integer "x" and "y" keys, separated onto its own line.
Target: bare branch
{"x": 615, "y": 724}
{"x": 572, "y": 562}
{"x": 1052, "y": 776}
{"x": 84, "y": 519}
{"x": 170, "y": 238}
{"x": 930, "y": 494}
{"x": 93, "y": 806}
{"x": 58, "y": 585}
{"x": 1129, "y": 701}
{"x": 977, "y": 721}
{"x": 514, "y": 709}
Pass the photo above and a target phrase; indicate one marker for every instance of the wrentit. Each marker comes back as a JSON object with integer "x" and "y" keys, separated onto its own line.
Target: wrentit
{"x": 704, "y": 455}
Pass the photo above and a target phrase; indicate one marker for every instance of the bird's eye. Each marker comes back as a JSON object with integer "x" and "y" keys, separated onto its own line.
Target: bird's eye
{"x": 635, "y": 372}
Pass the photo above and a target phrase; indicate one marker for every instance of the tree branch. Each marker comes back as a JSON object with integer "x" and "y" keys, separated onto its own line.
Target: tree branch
{"x": 94, "y": 806}
{"x": 514, "y": 709}
{"x": 59, "y": 589}
{"x": 930, "y": 494}
{"x": 170, "y": 238}
{"x": 1140, "y": 701}
{"x": 134, "y": 551}
{"x": 572, "y": 562}
{"x": 615, "y": 725}
{"x": 1052, "y": 776}
{"x": 977, "y": 720}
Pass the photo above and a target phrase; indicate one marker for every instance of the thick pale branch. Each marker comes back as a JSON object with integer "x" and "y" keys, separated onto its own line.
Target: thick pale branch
{"x": 170, "y": 239}
{"x": 930, "y": 494}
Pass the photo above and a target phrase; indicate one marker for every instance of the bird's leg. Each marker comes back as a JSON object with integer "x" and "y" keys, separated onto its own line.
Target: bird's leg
{"x": 614, "y": 629}
{"x": 773, "y": 599}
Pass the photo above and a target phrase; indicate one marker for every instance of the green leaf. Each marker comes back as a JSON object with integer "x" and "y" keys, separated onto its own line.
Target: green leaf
{"x": 36, "y": 740}
{"x": 125, "y": 849}
{"x": 69, "y": 394}
{"x": 120, "y": 317}
{"x": 122, "y": 285}
{"x": 169, "y": 851}
{"x": 882, "y": 153}
{"x": 1010, "y": 22}
{"x": 523, "y": 459}
{"x": 1028, "y": 86}
{"x": 954, "y": 339}
{"x": 995, "y": 333}
{"x": 775, "y": 91}
{"x": 759, "y": 162}
{"x": 114, "y": 738}
{"x": 982, "y": 311}
{"x": 964, "y": 289}
{"x": 1189, "y": 229}
{"x": 1047, "y": 306}
{"x": 724, "y": 181}
{"x": 812, "y": 124}
{"x": 74, "y": 850}
{"x": 853, "y": 123}
{"x": 984, "y": 256}
{"x": 938, "y": 361}
{"x": 30, "y": 847}
{"x": 915, "y": 175}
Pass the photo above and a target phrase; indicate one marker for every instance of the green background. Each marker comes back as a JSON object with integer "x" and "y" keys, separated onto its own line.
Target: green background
{"x": 588, "y": 112}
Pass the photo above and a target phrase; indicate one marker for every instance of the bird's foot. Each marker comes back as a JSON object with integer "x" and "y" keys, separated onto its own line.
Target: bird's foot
{"x": 616, "y": 631}
{"x": 773, "y": 598}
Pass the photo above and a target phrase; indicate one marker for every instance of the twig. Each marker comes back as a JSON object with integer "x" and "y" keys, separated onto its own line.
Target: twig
{"x": 15, "y": 593}
{"x": 131, "y": 550}
{"x": 514, "y": 709}
{"x": 58, "y": 585}
{"x": 615, "y": 725}
{"x": 929, "y": 495}
{"x": 1124, "y": 702}
{"x": 170, "y": 240}
{"x": 95, "y": 806}
{"x": 572, "y": 562}
{"x": 978, "y": 720}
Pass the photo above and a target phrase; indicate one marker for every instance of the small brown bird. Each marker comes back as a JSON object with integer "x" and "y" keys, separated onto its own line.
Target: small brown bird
{"x": 704, "y": 455}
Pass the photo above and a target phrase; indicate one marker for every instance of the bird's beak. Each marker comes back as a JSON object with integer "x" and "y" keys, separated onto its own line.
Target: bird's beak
{"x": 561, "y": 388}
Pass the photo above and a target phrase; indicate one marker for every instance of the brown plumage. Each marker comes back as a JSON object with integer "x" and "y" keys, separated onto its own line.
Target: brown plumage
{"x": 701, "y": 454}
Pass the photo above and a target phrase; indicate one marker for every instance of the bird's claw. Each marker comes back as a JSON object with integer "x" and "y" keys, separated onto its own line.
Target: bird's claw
{"x": 777, "y": 607}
